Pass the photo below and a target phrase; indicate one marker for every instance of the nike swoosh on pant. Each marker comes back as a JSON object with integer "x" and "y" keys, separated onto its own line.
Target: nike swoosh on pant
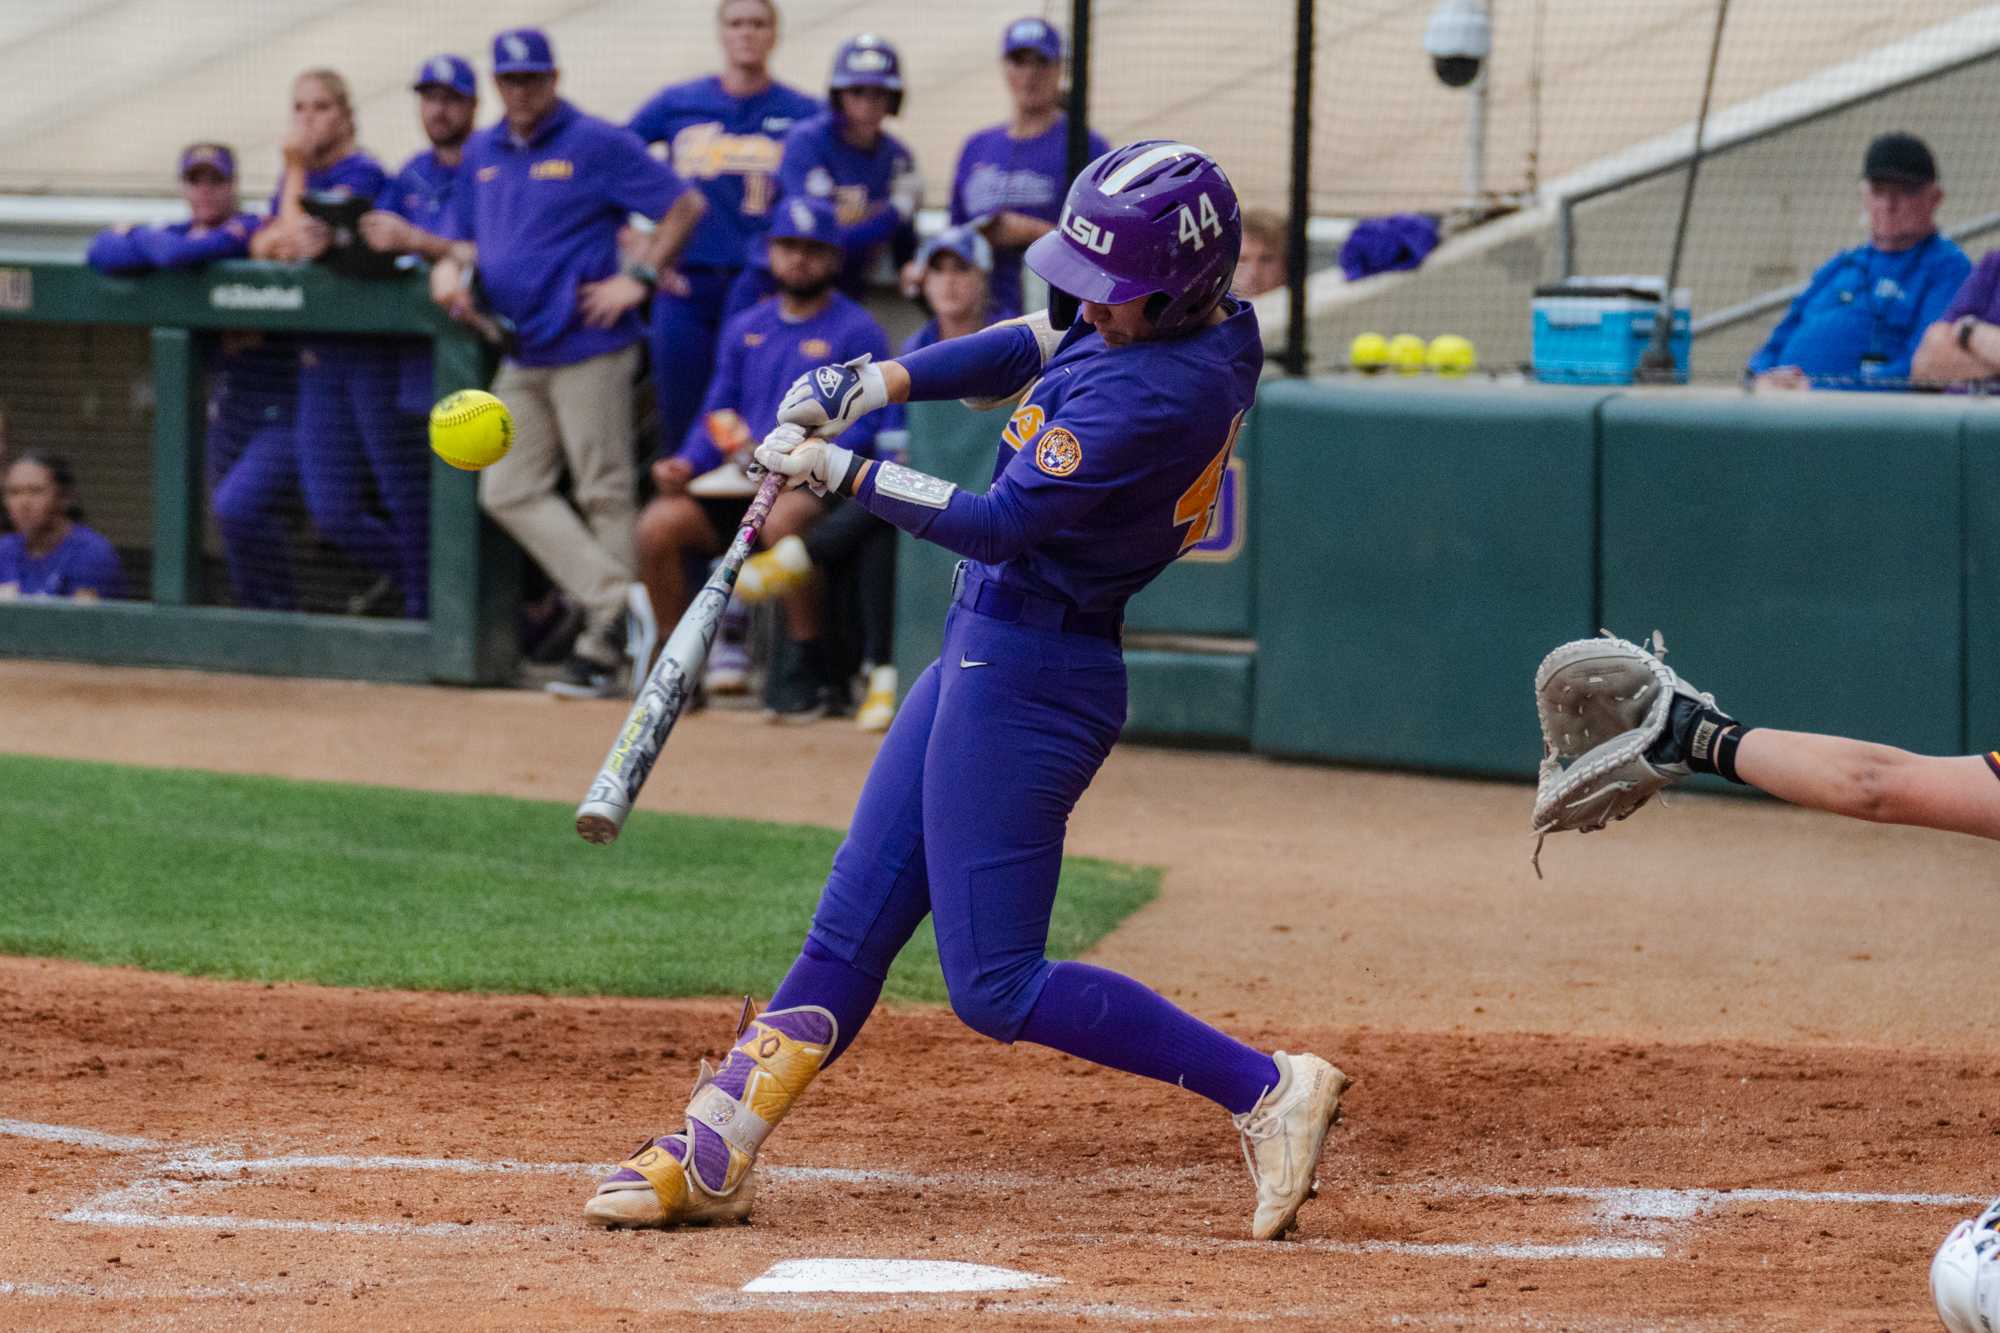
{"x": 968, "y": 662}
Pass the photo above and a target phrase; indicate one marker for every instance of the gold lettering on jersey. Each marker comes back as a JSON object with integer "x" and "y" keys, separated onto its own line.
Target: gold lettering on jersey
{"x": 486, "y": 173}
{"x": 753, "y": 340}
{"x": 552, "y": 169}
{"x": 703, "y": 152}
{"x": 1024, "y": 426}
{"x": 815, "y": 349}
{"x": 850, "y": 203}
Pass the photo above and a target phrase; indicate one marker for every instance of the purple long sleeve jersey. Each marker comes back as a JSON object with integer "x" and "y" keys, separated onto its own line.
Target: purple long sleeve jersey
{"x": 1110, "y": 467}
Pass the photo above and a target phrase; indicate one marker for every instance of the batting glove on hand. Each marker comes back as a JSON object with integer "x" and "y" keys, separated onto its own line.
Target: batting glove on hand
{"x": 819, "y": 465}
{"x": 828, "y": 399}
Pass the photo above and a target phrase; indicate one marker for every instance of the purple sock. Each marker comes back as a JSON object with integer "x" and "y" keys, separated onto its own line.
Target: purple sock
{"x": 845, "y": 991}
{"x": 1109, "y": 1019}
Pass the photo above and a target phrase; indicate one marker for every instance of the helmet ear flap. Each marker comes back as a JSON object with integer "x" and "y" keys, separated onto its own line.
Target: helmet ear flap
{"x": 1062, "y": 309}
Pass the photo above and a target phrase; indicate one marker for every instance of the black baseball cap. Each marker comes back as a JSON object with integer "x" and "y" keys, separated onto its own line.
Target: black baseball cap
{"x": 1899, "y": 159}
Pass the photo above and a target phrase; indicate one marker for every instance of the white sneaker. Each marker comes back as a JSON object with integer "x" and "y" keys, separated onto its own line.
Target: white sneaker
{"x": 1282, "y": 1137}
{"x": 642, "y": 634}
{"x": 878, "y": 706}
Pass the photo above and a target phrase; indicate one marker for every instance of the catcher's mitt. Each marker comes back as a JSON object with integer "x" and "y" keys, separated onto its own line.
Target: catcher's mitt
{"x": 1604, "y": 705}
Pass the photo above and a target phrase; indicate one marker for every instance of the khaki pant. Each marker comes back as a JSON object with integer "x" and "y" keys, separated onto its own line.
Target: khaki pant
{"x": 581, "y": 415}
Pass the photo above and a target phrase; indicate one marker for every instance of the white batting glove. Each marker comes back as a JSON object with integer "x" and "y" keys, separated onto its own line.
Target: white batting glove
{"x": 826, "y": 400}
{"x": 819, "y": 465}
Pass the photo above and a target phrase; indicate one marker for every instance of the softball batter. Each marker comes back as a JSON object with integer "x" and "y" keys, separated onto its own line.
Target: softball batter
{"x": 1108, "y": 470}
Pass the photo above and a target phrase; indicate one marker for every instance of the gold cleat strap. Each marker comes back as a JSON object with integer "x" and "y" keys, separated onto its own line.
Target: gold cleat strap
{"x": 666, "y": 1175}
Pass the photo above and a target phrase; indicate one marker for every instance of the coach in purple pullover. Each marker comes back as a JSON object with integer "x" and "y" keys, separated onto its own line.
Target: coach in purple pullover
{"x": 541, "y": 198}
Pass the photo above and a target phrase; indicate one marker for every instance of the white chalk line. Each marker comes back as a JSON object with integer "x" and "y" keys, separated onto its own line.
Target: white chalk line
{"x": 1632, "y": 1223}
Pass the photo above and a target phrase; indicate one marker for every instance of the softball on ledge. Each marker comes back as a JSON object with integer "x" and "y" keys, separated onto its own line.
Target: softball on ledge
{"x": 471, "y": 429}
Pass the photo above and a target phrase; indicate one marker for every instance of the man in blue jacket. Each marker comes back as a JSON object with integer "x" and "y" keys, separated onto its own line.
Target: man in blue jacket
{"x": 1858, "y": 322}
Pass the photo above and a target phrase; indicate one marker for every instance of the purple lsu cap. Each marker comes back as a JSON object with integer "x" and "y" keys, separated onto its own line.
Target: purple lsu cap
{"x": 1031, "y": 35}
{"x": 965, "y": 242}
{"x": 523, "y": 51}
{"x": 446, "y": 71}
{"x": 214, "y": 156}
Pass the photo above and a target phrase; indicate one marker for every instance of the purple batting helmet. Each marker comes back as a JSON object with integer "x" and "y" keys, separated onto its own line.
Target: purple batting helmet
{"x": 867, "y": 61}
{"x": 1154, "y": 218}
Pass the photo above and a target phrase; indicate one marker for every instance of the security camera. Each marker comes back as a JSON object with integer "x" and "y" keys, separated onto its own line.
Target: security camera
{"x": 1458, "y": 39}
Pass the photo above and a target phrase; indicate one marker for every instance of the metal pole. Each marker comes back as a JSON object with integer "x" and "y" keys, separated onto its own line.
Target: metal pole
{"x": 1294, "y": 359}
{"x": 1656, "y": 365}
{"x": 1076, "y": 144}
{"x": 1475, "y": 148}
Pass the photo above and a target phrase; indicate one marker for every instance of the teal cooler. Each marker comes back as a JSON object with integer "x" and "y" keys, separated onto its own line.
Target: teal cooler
{"x": 1594, "y": 330}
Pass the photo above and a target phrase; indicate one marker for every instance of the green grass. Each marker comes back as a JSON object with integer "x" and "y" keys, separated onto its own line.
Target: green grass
{"x": 264, "y": 879}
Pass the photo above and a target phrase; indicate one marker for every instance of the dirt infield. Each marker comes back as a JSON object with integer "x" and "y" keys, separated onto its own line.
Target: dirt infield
{"x": 1730, "y": 1067}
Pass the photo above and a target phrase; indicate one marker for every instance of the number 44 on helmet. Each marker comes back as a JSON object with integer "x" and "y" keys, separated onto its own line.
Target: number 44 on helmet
{"x": 1156, "y": 219}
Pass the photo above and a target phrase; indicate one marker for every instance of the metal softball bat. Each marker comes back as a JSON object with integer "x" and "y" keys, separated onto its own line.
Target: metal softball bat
{"x": 668, "y": 686}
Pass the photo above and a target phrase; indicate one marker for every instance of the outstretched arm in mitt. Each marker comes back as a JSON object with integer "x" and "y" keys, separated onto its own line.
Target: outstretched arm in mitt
{"x": 1619, "y": 726}
{"x": 1876, "y": 782}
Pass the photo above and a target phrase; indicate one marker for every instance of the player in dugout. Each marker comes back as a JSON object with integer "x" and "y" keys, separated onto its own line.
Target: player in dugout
{"x": 956, "y": 264}
{"x": 1131, "y": 393}
{"x": 248, "y": 448}
{"x": 409, "y": 212}
{"x": 844, "y": 157}
{"x": 351, "y": 438}
{"x": 762, "y": 350}
{"x": 51, "y": 553}
{"x": 724, "y": 134}
{"x": 1011, "y": 178}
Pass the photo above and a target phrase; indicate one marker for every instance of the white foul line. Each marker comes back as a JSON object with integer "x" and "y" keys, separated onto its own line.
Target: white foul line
{"x": 1633, "y": 1222}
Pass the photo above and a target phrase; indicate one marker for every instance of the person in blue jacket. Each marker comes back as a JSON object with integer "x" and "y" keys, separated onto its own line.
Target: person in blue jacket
{"x": 725, "y": 134}
{"x": 1859, "y": 321}
{"x": 248, "y": 449}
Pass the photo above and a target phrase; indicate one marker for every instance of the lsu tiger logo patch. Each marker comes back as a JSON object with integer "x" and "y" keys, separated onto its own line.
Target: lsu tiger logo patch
{"x": 1058, "y": 453}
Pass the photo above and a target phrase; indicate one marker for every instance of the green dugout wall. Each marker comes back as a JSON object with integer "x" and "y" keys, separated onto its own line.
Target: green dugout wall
{"x": 1409, "y": 550}
{"x": 469, "y": 635}
{"x": 1390, "y": 559}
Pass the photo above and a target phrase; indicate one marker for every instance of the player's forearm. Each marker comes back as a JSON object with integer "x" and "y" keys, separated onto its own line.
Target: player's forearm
{"x": 985, "y": 528}
{"x": 670, "y": 237}
{"x": 992, "y": 363}
{"x": 1940, "y": 359}
{"x": 1016, "y": 231}
{"x": 1875, "y": 782}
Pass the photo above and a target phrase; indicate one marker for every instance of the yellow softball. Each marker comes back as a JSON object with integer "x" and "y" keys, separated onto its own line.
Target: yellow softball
{"x": 471, "y": 429}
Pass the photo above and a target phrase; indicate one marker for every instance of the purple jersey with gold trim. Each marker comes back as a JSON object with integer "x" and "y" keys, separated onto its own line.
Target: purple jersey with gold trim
{"x": 758, "y": 356}
{"x": 1109, "y": 469}
{"x": 727, "y": 147}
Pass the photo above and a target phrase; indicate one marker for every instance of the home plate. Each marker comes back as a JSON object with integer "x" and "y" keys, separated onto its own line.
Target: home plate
{"x": 892, "y": 1275}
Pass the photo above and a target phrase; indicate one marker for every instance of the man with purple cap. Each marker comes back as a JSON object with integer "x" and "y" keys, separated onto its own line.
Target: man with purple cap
{"x": 253, "y": 384}
{"x": 703, "y": 490}
{"x": 544, "y": 193}
{"x": 216, "y": 228}
{"x": 1131, "y": 390}
{"x": 409, "y": 213}
{"x": 1011, "y": 178}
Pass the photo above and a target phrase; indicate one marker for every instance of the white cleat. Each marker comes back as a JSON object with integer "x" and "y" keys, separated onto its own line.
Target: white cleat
{"x": 1282, "y": 1136}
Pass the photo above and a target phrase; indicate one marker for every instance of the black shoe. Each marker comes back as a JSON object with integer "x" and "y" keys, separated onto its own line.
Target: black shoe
{"x": 585, "y": 678}
{"x": 795, "y": 691}
{"x": 549, "y": 636}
